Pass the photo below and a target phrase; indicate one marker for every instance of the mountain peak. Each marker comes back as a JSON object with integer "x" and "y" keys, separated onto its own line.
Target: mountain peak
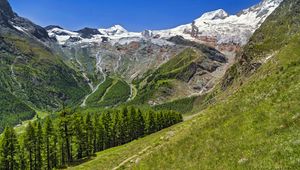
{"x": 213, "y": 15}
{"x": 262, "y": 9}
{"x": 5, "y": 9}
{"x": 88, "y": 32}
{"x": 114, "y": 30}
{"x": 118, "y": 27}
{"x": 50, "y": 27}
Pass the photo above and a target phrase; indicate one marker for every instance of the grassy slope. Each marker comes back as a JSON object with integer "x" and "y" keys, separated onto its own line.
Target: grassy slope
{"x": 164, "y": 80}
{"x": 96, "y": 97}
{"x": 118, "y": 93}
{"x": 34, "y": 77}
{"x": 13, "y": 111}
{"x": 112, "y": 92}
{"x": 257, "y": 127}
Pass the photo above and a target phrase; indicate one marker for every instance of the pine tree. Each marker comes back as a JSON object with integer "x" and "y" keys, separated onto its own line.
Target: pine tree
{"x": 96, "y": 133}
{"x": 9, "y": 149}
{"x": 101, "y": 134}
{"x": 140, "y": 123}
{"x": 49, "y": 143}
{"x": 80, "y": 136}
{"x": 160, "y": 121}
{"x": 125, "y": 126}
{"x": 54, "y": 156}
{"x": 150, "y": 122}
{"x": 39, "y": 146}
{"x": 90, "y": 134}
{"x": 65, "y": 136}
{"x": 22, "y": 158}
{"x": 117, "y": 128}
{"x": 29, "y": 142}
{"x": 107, "y": 121}
{"x": 132, "y": 123}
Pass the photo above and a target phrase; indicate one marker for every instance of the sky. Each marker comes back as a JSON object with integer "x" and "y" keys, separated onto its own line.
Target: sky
{"x": 134, "y": 15}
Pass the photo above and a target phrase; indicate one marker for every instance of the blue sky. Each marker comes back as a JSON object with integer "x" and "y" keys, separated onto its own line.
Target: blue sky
{"x": 134, "y": 15}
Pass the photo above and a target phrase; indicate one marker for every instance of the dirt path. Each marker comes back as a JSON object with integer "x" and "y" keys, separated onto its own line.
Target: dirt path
{"x": 133, "y": 92}
{"x": 131, "y": 159}
{"x": 107, "y": 90}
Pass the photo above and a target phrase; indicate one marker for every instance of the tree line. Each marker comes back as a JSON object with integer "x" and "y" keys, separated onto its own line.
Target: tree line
{"x": 72, "y": 137}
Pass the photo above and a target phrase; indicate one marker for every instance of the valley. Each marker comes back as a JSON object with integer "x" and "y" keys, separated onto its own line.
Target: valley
{"x": 221, "y": 92}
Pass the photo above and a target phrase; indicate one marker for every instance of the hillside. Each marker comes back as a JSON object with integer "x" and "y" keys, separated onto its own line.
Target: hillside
{"x": 32, "y": 75}
{"x": 111, "y": 92}
{"x": 253, "y": 125}
{"x": 191, "y": 72}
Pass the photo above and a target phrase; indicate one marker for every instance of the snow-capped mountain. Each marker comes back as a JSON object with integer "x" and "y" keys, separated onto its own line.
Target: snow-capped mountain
{"x": 114, "y": 30}
{"x": 90, "y": 35}
{"x": 216, "y": 28}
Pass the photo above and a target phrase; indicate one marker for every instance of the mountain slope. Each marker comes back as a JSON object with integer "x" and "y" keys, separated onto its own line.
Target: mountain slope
{"x": 31, "y": 72}
{"x": 191, "y": 72}
{"x": 254, "y": 125}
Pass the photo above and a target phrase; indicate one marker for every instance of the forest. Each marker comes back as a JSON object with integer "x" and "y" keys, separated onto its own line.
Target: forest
{"x": 71, "y": 137}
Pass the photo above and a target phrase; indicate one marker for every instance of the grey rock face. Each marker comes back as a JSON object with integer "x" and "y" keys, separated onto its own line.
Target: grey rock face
{"x": 88, "y": 32}
{"x": 5, "y": 9}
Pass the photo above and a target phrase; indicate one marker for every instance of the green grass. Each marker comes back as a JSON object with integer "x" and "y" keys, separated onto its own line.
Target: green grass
{"x": 113, "y": 91}
{"x": 163, "y": 78}
{"x": 118, "y": 93}
{"x": 97, "y": 96}
{"x": 183, "y": 59}
{"x": 183, "y": 106}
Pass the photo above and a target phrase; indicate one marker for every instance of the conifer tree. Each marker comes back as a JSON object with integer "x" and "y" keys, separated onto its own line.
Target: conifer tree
{"x": 117, "y": 128}
{"x": 80, "y": 136}
{"x": 9, "y": 149}
{"x": 96, "y": 140}
{"x": 65, "y": 134}
{"x": 150, "y": 122}
{"x": 29, "y": 142}
{"x": 140, "y": 123}
{"x": 133, "y": 123}
{"x": 49, "y": 143}
{"x": 39, "y": 146}
{"x": 89, "y": 134}
{"x": 125, "y": 128}
{"x": 107, "y": 121}
{"x": 22, "y": 157}
{"x": 101, "y": 133}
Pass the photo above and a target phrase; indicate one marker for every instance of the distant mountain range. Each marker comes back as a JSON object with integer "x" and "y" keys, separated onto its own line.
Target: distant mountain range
{"x": 216, "y": 28}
